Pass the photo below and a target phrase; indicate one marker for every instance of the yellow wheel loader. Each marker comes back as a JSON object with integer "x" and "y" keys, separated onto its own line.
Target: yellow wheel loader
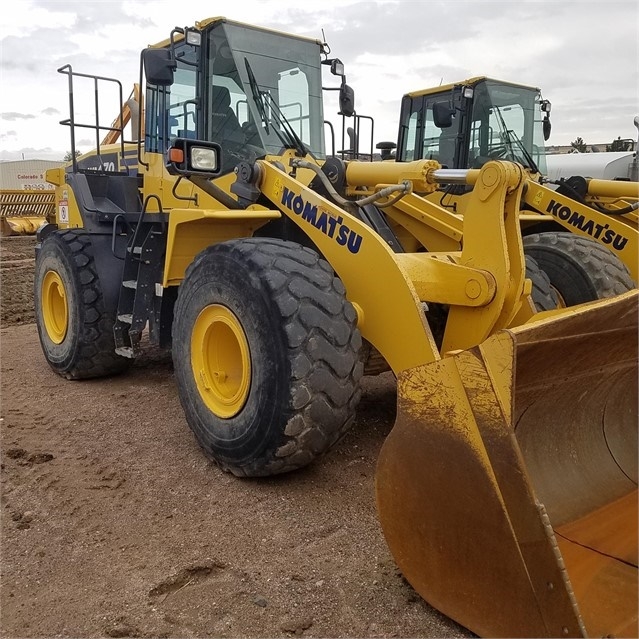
{"x": 507, "y": 489}
{"x": 582, "y": 231}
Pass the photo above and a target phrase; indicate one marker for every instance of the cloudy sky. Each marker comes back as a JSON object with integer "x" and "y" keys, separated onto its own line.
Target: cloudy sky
{"x": 582, "y": 54}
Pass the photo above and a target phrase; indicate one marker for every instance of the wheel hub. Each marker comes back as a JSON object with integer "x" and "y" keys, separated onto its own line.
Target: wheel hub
{"x": 54, "y": 307}
{"x": 220, "y": 360}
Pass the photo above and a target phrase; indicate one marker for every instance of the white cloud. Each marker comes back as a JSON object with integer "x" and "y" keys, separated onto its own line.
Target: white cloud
{"x": 582, "y": 54}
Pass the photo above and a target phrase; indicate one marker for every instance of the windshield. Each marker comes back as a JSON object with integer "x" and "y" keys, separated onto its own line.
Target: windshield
{"x": 264, "y": 92}
{"x": 507, "y": 125}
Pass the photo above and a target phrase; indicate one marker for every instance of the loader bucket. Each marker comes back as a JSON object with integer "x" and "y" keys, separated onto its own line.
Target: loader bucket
{"x": 21, "y": 225}
{"x": 507, "y": 489}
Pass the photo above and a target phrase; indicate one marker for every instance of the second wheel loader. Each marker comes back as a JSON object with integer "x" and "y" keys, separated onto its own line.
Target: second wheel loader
{"x": 507, "y": 489}
{"x": 582, "y": 231}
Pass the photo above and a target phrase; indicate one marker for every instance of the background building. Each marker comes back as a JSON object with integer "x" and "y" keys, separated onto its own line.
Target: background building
{"x": 26, "y": 174}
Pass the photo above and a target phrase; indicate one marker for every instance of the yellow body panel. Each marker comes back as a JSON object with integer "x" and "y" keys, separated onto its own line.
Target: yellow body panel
{"x": 619, "y": 233}
{"x": 403, "y": 281}
{"x": 191, "y": 231}
{"x": 434, "y": 227}
{"x": 391, "y": 302}
{"x": 67, "y": 213}
{"x": 616, "y": 232}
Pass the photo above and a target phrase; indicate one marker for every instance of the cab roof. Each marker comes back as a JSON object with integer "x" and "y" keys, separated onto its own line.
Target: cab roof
{"x": 471, "y": 82}
{"x": 209, "y": 23}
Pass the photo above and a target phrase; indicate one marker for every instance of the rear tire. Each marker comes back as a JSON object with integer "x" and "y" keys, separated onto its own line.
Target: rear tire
{"x": 579, "y": 268}
{"x": 76, "y": 333}
{"x": 266, "y": 355}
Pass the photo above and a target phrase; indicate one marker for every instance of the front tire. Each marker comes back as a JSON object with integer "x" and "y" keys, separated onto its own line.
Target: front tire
{"x": 76, "y": 332}
{"x": 579, "y": 268}
{"x": 266, "y": 354}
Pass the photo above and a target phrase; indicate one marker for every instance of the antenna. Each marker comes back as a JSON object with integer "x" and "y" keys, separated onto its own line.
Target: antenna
{"x": 325, "y": 48}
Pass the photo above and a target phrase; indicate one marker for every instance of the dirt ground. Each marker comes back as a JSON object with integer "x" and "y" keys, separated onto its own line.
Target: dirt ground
{"x": 114, "y": 524}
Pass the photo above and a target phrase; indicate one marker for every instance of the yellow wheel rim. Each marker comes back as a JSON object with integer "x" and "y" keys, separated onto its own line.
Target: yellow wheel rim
{"x": 55, "y": 311}
{"x": 220, "y": 360}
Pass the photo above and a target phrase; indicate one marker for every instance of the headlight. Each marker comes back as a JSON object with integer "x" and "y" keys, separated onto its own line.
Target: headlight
{"x": 203, "y": 159}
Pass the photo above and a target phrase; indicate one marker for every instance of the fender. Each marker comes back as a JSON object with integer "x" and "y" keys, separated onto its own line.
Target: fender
{"x": 192, "y": 230}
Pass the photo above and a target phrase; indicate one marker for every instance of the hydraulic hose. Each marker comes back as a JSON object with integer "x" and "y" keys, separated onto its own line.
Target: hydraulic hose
{"x": 579, "y": 198}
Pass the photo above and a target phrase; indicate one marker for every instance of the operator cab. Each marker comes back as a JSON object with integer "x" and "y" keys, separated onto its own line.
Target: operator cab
{"x": 251, "y": 91}
{"x": 466, "y": 124}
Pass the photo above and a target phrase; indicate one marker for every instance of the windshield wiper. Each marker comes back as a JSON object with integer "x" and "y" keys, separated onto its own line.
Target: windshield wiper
{"x": 510, "y": 136}
{"x": 283, "y": 128}
{"x": 531, "y": 163}
{"x": 287, "y": 129}
{"x": 258, "y": 98}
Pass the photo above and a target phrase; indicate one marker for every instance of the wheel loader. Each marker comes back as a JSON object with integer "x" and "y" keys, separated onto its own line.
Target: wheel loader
{"x": 582, "y": 231}
{"x": 507, "y": 489}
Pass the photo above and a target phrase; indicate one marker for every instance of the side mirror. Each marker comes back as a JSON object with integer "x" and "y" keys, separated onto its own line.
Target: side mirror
{"x": 159, "y": 67}
{"x": 443, "y": 115}
{"x": 193, "y": 157}
{"x": 346, "y": 101}
{"x": 546, "y": 127}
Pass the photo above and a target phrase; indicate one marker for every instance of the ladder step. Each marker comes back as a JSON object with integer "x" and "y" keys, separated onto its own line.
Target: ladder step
{"x": 125, "y": 351}
{"x": 137, "y": 250}
{"x": 126, "y": 319}
{"x": 130, "y": 284}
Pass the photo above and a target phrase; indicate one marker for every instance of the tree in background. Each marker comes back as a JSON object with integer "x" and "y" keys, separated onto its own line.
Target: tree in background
{"x": 620, "y": 145}
{"x": 68, "y": 156}
{"x": 579, "y": 145}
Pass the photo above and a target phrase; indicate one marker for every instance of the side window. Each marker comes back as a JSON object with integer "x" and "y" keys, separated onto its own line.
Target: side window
{"x": 439, "y": 144}
{"x": 478, "y": 145}
{"x": 420, "y": 138}
{"x": 182, "y": 112}
{"x": 410, "y": 137}
{"x": 171, "y": 111}
{"x": 292, "y": 87}
{"x": 430, "y": 143}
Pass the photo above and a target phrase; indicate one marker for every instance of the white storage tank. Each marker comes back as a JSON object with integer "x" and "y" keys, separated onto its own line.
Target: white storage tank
{"x": 614, "y": 165}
